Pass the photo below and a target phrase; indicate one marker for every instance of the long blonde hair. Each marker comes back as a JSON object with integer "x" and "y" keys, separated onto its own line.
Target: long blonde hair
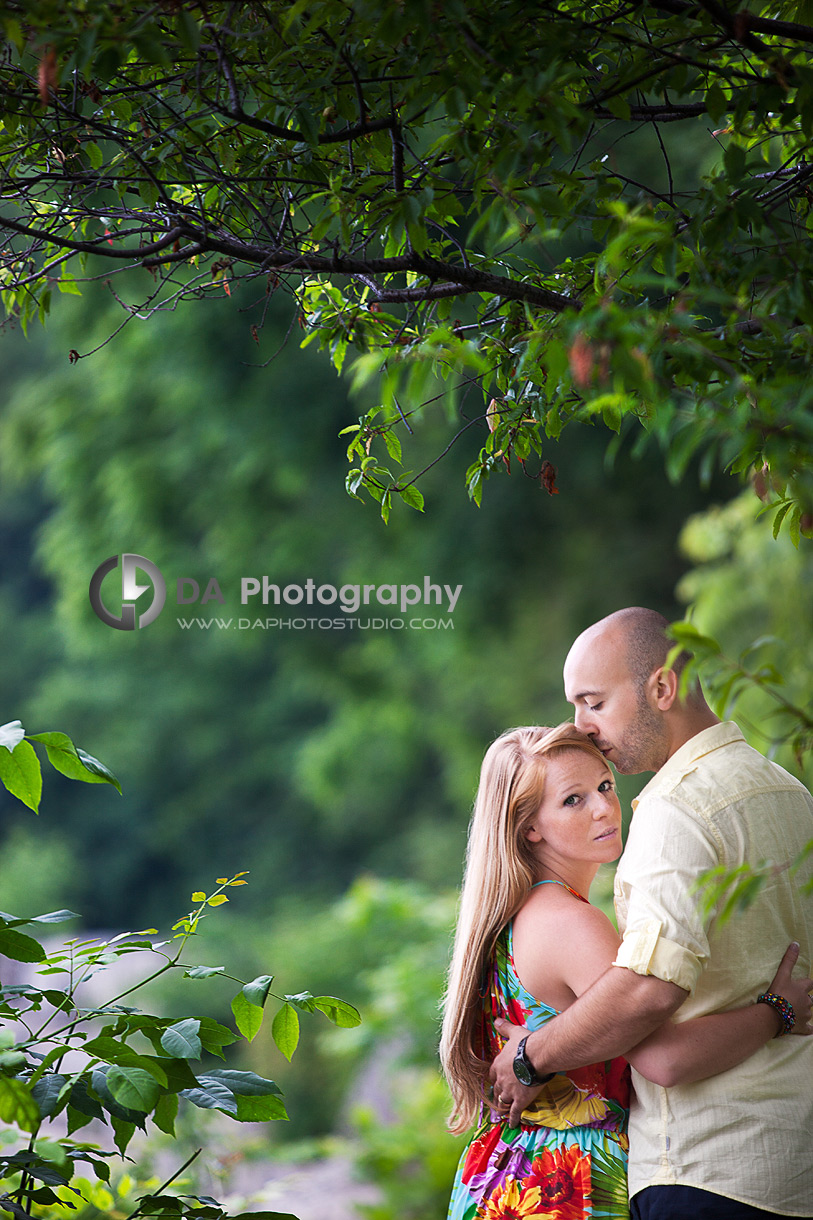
{"x": 500, "y": 870}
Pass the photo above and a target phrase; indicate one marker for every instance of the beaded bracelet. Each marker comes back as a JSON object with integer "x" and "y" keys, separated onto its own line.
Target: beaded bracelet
{"x": 785, "y": 1010}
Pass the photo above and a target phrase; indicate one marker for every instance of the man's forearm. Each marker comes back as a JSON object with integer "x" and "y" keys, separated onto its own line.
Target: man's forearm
{"x": 615, "y": 1014}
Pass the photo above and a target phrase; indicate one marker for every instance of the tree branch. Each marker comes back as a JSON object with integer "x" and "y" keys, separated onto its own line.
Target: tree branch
{"x": 763, "y": 25}
{"x": 87, "y": 247}
{"x": 458, "y": 281}
{"x": 662, "y": 113}
{"x": 292, "y": 133}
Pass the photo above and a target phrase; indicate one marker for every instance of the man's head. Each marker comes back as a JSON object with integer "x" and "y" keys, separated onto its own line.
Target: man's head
{"x": 625, "y": 698}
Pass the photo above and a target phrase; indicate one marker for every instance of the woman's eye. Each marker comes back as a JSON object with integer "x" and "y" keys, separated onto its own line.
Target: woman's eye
{"x": 571, "y": 800}
{"x": 606, "y": 786}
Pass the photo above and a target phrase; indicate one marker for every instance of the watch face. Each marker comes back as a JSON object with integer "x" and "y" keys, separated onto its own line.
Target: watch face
{"x": 523, "y": 1070}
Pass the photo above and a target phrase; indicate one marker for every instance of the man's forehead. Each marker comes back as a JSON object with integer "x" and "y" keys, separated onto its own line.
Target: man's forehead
{"x": 595, "y": 665}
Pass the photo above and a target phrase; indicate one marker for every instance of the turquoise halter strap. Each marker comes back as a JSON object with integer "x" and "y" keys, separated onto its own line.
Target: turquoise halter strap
{"x": 569, "y": 888}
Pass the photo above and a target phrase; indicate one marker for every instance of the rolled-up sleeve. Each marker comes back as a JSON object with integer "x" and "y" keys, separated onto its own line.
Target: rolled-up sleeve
{"x": 669, "y": 847}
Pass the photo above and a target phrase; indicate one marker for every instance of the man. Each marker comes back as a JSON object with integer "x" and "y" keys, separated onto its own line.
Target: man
{"x": 739, "y": 1144}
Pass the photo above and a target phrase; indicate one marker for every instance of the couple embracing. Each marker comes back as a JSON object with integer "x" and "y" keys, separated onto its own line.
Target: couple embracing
{"x": 547, "y": 1006}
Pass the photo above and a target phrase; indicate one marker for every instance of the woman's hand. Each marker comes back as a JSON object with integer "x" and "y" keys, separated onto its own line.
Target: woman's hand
{"x": 795, "y": 991}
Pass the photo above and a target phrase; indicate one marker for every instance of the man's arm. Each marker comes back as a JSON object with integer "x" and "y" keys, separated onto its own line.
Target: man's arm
{"x": 615, "y": 1014}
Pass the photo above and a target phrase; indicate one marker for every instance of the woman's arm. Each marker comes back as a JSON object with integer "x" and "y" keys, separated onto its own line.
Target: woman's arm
{"x": 705, "y": 1046}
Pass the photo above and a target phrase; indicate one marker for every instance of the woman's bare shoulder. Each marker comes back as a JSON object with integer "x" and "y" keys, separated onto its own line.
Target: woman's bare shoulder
{"x": 561, "y": 944}
{"x": 553, "y": 908}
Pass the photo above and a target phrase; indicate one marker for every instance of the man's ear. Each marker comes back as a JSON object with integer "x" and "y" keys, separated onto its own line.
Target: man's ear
{"x": 664, "y": 685}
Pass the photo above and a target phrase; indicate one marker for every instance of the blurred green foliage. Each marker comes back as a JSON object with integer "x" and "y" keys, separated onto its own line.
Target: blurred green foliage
{"x": 753, "y": 591}
{"x": 319, "y": 753}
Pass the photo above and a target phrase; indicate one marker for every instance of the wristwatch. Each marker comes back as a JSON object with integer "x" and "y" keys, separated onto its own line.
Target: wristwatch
{"x": 524, "y": 1069}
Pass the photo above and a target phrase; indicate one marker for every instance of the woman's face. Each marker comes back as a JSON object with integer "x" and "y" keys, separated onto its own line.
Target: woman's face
{"x": 579, "y": 819}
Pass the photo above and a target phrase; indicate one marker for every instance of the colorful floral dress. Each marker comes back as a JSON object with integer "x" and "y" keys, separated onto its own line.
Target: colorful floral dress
{"x": 568, "y": 1159}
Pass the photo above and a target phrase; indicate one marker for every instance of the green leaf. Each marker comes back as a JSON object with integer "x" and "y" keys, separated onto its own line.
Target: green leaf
{"x": 179, "y": 1074}
{"x": 101, "y": 1168}
{"x": 264, "y": 1216}
{"x": 17, "y": 1104}
{"x": 76, "y": 1119}
{"x": 123, "y": 1132}
{"x": 307, "y": 123}
{"x": 50, "y": 917}
{"x": 302, "y": 1000}
{"x": 203, "y": 972}
{"x": 256, "y": 992}
{"x": 19, "y": 947}
{"x": 40, "y": 1165}
{"x": 620, "y": 107}
{"x": 102, "y": 773}
{"x": 248, "y": 1017}
{"x": 188, "y": 30}
{"x": 338, "y": 1011}
{"x": 94, "y": 155}
{"x": 20, "y": 773}
{"x": 781, "y": 513}
{"x": 134, "y": 1088}
{"x": 244, "y": 1084}
{"x": 734, "y": 158}
{"x": 82, "y": 1103}
{"x": 182, "y": 1040}
{"x": 165, "y": 1113}
{"x": 212, "y": 1094}
{"x": 47, "y": 1093}
{"x": 76, "y": 764}
{"x": 112, "y": 1050}
{"x": 716, "y": 102}
{"x": 285, "y": 1030}
{"x": 11, "y": 734}
{"x": 215, "y": 1036}
{"x": 411, "y": 496}
{"x": 393, "y": 445}
{"x": 260, "y": 1109}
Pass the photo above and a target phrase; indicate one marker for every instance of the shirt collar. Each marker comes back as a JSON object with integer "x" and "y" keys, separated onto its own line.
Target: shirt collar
{"x": 686, "y": 758}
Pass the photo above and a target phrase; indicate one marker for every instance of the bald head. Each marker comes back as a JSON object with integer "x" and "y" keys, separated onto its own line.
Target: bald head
{"x": 642, "y": 635}
{"x": 625, "y": 698}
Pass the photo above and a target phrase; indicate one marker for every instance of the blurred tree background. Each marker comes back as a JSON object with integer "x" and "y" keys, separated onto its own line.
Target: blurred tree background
{"x": 337, "y": 766}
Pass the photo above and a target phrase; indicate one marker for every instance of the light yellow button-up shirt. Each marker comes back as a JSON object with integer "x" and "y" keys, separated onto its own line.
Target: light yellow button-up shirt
{"x": 746, "y": 1133}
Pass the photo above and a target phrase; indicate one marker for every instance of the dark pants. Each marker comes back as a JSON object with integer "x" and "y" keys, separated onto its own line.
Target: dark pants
{"x": 689, "y": 1203}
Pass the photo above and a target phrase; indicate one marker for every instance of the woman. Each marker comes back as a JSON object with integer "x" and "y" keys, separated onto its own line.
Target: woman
{"x": 527, "y": 944}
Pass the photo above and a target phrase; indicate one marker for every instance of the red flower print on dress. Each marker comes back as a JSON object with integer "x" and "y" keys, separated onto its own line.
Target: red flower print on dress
{"x": 480, "y": 1151}
{"x": 563, "y": 1178}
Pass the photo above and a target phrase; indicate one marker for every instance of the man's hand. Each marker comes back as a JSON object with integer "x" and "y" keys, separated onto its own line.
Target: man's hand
{"x": 795, "y": 991}
{"x": 509, "y": 1094}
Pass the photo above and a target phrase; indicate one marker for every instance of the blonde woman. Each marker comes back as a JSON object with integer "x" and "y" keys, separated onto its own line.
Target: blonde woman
{"x": 527, "y": 944}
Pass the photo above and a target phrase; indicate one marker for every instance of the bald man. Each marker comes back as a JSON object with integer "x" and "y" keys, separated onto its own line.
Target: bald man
{"x": 740, "y": 1144}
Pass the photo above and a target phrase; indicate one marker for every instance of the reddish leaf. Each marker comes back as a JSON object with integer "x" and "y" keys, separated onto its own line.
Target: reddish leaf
{"x": 580, "y": 358}
{"x": 547, "y": 478}
{"x": 47, "y": 77}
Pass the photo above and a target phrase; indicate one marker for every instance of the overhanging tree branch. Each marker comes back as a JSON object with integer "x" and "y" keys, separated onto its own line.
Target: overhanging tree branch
{"x": 235, "y": 142}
